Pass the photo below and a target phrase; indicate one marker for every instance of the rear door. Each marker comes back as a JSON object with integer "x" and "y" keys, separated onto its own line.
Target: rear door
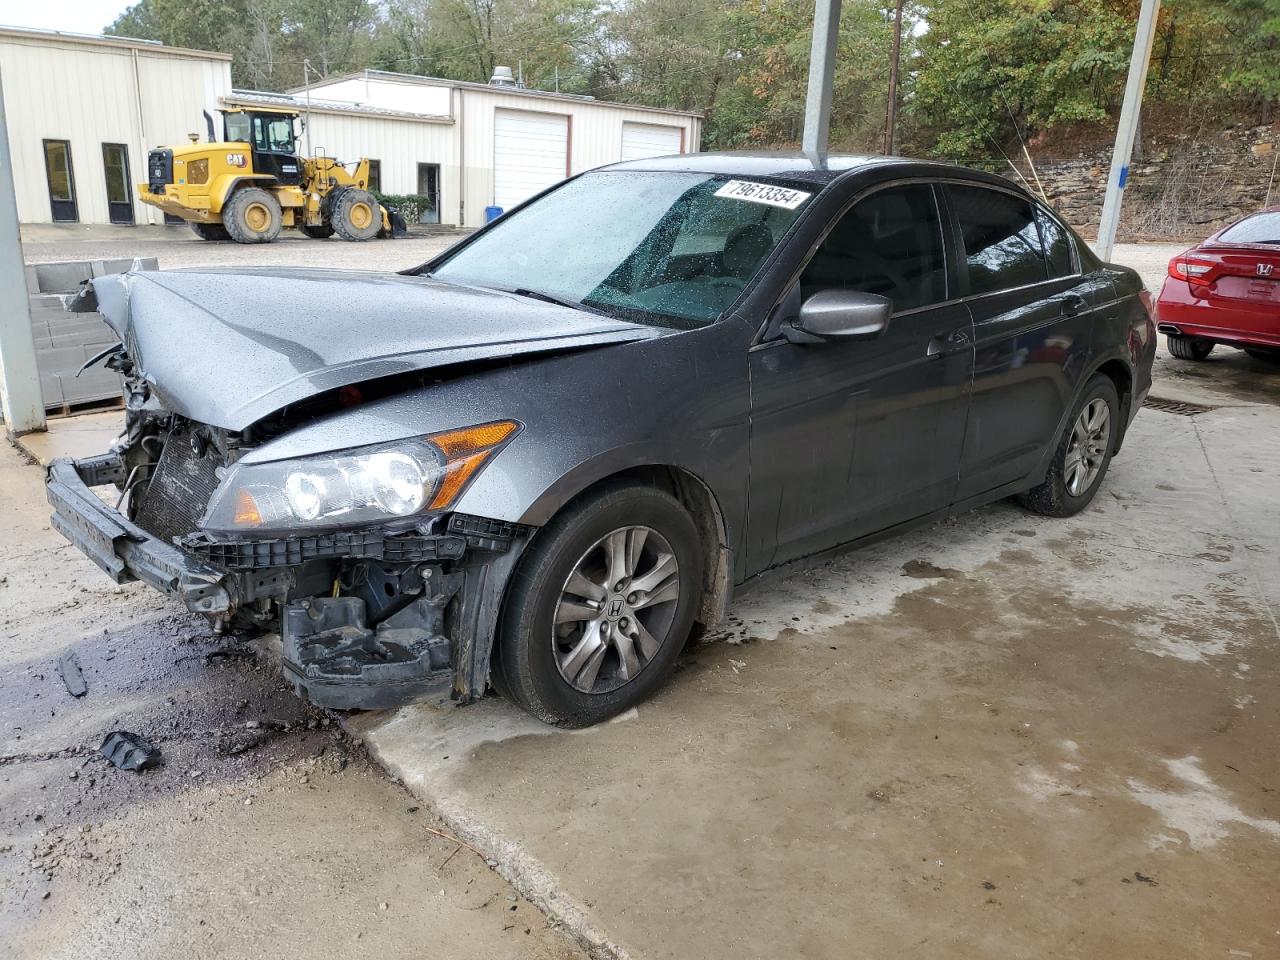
{"x": 1033, "y": 313}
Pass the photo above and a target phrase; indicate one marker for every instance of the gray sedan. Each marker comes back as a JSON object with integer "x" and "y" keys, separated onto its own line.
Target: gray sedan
{"x": 538, "y": 460}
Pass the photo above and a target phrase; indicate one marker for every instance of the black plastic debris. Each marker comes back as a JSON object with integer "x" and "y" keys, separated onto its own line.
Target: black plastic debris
{"x": 128, "y": 751}
{"x": 72, "y": 675}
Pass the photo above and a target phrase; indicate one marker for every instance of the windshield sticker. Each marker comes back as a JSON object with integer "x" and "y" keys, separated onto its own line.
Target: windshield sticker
{"x": 765, "y": 193}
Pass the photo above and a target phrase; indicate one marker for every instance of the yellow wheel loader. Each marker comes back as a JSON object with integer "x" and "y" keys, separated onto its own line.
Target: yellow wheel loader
{"x": 253, "y": 182}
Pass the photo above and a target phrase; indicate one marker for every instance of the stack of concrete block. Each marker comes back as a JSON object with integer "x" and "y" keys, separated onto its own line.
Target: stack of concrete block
{"x": 64, "y": 341}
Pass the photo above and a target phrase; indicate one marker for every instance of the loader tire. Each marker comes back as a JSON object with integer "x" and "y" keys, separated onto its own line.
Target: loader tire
{"x": 355, "y": 215}
{"x": 210, "y": 231}
{"x": 252, "y": 215}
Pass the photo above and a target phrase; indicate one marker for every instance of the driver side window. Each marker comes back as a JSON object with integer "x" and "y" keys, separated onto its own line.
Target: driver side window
{"x": 889, "y": 244}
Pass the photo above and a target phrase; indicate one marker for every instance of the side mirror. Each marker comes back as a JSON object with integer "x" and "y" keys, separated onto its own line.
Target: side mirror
{"x": 840, "y": 315}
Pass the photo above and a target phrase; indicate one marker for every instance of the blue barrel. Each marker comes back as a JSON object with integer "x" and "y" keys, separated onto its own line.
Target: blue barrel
{"x": 491, "y": 214}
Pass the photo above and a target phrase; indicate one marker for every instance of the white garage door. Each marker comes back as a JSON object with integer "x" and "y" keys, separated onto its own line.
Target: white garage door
{"x": 530, "y": 153}
{"x": 640, "y": 140}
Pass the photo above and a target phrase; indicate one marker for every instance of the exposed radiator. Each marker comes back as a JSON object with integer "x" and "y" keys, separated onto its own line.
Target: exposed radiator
{"x": 179, "y": 490}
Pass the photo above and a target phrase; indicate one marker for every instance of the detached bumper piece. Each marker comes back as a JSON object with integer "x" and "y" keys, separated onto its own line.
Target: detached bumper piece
{"x": 123, "y": 550}
{"x": 334, "y": 660}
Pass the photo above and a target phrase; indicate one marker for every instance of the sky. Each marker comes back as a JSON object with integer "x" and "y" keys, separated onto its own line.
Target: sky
{"x": 74, "y": 16}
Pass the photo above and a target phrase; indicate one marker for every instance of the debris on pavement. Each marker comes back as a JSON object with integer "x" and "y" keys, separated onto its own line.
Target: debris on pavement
{"x": 72, "y": 675}
{"x": 128, "y": 751}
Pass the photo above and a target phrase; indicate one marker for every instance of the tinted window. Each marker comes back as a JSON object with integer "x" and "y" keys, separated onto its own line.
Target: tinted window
{"x": 890, "y": 244}
{"x": 1260, "y": 228}
{"x": 1001, "y": 242}
{"x": 1057, "y": 246}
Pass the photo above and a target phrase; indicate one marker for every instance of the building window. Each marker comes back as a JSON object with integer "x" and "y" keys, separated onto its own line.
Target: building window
{"x": 62, "y": 184}
{"x": 375, "y": 175}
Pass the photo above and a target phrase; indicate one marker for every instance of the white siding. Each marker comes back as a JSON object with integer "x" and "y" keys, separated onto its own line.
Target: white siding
{"x": 86, "y": 93}
{"x": 643, "y": 140}
{"x": 530, "y": 153}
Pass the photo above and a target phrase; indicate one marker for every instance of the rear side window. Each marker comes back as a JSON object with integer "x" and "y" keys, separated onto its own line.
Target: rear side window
{"x": 1001, "y": 241}
{"x": 889, "y": 244}
{"x": 1260, "y": 228}
{"x": 1057, "y": 246}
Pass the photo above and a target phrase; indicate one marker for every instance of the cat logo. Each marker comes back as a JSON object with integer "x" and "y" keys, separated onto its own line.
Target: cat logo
{"x": 236, "y": 160}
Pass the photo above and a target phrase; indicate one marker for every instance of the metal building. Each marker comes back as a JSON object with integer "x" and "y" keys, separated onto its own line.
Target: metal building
{"x": 84, "y": 110}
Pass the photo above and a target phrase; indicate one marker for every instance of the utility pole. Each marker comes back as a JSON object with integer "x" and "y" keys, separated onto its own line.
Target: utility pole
{"x": 20, "y": 398}
{"x": 1129, "y": 113}
{"x": 891, "y": 118}
{"x": 822, "y": 65}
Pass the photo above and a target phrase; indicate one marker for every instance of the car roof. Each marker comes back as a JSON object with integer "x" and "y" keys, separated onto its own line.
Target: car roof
{"x": 796, "y": 166}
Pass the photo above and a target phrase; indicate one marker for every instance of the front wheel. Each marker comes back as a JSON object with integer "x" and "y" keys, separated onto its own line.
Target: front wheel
{"x": 356, "y": 215}
{"x": 1189, "y": 348}
{"x": 599, "y": 607}
{"x": 1083, "y": 453}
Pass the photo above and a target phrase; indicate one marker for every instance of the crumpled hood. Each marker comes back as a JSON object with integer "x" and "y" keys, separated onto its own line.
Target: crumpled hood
{"x": 229, "y": 347}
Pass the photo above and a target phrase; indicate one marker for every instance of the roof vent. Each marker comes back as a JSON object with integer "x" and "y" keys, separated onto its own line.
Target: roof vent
{"x": 502, "y": 77}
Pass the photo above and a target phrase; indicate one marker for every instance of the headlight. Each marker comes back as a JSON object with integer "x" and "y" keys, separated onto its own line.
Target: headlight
{"x": 367, "y": 485}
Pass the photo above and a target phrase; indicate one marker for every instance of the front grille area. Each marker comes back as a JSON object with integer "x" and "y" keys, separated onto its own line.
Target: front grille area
{"x": 159, "y": 170}
{"x": 179, "y": 489}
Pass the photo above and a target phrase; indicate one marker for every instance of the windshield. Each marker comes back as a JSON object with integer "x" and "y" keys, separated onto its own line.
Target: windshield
{"x": 673, "y": 249}
{"x": 1260, "y": 228}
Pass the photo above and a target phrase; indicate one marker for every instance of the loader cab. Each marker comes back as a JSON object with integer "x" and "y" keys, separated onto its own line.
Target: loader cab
{"x": 272, "y": 138}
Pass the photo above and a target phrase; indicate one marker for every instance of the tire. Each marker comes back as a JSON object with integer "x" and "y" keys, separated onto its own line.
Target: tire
{"x": 356, "y": 215}
{"x": 532, "y": 653}
{"x": 210, "y": 231}
{"x": 1264, "y": 354}
{"x": 1189, "y": 348}
{"x": 1055, "y": 497}
{"x": 322, "y": 231}
{"x": 252, "y": 215}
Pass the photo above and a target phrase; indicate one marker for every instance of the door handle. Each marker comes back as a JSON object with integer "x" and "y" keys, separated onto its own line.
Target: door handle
{"x": 949, "y": 342}
{"x": 1072, "y": 304}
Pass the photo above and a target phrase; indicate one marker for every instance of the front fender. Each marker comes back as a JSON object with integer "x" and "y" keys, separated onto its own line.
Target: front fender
{"x": 221, "y": 187}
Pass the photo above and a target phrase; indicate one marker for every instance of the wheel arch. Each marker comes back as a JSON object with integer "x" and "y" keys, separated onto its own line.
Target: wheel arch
{"x": 1121, "y": 374}
{"x": 225, "y": 186}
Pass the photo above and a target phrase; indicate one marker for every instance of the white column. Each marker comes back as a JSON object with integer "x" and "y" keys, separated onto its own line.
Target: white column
{"x": 822, "y": 65}
{"x": 1129, "y": 113}
{"x": 20, "y": 398}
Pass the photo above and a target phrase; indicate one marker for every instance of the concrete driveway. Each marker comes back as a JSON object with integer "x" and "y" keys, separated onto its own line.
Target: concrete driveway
{"x": 999, "y": 736}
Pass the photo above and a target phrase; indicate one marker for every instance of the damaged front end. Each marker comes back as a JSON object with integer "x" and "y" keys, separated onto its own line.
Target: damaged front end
{"x": 372, "y": 615}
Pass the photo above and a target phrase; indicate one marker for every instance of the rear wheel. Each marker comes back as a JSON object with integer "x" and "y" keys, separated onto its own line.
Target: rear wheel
{"x": 252, "y": 215}
{"x": 356, "y": 215}
{"x": 210, "y": 231}
{"x": 599, "y": 607}
{"x": 322, "y": 231}
{"x": 1264, "y": 354}
{"x": 1189, "y": 348}
{"x": 1083, "y": 454}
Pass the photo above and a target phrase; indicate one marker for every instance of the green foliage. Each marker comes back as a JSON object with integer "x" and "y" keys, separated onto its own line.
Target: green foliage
{"x": 977, "y": 76}
{"x": 411, "y": 206}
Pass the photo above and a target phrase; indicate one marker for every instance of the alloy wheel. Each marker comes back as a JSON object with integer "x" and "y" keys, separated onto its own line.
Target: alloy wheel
{"x": 1088, "y": 448}
{"x": 616, "y": 609}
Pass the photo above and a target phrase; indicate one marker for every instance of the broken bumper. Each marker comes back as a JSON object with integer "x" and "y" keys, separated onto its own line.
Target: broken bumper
{"x": 123, "y": 550}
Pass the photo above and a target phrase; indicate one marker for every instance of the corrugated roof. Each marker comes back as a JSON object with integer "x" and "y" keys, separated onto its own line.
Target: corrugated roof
{"x": 251, "y": 97}
{"x": 393, "y": 77}
{"x": 98, "y": 40}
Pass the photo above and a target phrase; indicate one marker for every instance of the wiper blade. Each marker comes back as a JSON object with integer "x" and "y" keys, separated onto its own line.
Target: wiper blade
{"x": 546, "y": 298}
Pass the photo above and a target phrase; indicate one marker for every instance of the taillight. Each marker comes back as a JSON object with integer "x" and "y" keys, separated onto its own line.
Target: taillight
{"x": 1185, "y": 268}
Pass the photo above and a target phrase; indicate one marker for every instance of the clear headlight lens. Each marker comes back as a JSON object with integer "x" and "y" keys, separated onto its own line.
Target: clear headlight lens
{"x": 364, "y": 486}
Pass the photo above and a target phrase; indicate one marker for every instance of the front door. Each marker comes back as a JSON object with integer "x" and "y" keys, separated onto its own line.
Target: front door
{"x": 62, "y": 181}
{"x": 1033, "y": 311}
{"x": 275, "y": 147}
{"x": 115, "y": 163}
{"x": 852, "y": 437}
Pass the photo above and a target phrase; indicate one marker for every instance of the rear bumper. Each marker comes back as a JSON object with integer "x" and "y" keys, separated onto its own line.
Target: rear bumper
{"x": 123, "y": 550}
{"x": 1241, "y": 323}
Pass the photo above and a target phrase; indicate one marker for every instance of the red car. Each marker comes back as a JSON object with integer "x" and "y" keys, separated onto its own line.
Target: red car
{"x": 1226, "y": 290}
